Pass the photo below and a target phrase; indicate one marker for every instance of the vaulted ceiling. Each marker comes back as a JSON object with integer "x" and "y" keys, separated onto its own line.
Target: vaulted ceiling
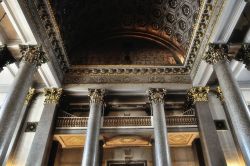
{"x": 137, "y": 32}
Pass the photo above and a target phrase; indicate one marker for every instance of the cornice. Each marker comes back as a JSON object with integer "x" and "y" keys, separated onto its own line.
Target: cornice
{"x": 214, "y": 15}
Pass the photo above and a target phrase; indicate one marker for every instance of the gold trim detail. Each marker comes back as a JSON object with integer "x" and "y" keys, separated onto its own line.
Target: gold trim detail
{"x": 52, "y": 95}
{"x": 157, "y": 95}
{"x": 219, "y": 93}
{"x": 198, "y": 94}
{"x": 96, "y": 95}
{"x": 33, "y": 54}
{"x": 29, "y": 95}
{"x": 216, "y": 53}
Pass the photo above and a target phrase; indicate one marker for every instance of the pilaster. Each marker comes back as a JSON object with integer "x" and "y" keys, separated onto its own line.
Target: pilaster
{"x": 212, "y": 151}
{"x": 43, "y": 136}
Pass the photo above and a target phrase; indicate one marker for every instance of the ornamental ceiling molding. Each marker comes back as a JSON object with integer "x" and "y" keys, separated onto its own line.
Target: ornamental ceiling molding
{"x": 204, "y": 25}
{"x": 46, "y": 32}
{"x": 126, "y": 70}
{"x": 53, "y": 33}
{"x": 201, "y": 43}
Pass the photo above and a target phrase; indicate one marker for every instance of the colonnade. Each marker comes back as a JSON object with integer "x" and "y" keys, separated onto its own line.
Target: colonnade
{"x": 197, "y": 97}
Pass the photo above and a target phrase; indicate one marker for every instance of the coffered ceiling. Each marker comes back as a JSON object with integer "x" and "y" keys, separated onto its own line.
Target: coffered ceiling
{"x": 126, "y": 32}
{"x": 132, "y": 41}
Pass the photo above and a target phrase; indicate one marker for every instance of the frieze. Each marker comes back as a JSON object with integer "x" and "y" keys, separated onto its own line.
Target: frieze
{"x": 136, "y": 78}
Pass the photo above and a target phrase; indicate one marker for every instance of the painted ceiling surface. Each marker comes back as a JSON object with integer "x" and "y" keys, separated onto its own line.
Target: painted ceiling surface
{"x": 128, "y": 32}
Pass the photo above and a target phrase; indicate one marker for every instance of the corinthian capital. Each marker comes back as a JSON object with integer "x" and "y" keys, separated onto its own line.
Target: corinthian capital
{"x": 96, "y": 95}
{"x": 156, "y": 95}
{"x": 197, "y": 94}
{"x": 52, "y": 95}
{"x": 216, "y": 53}
{"x": 33, "y": 54}
{"x": 244, "y": 55}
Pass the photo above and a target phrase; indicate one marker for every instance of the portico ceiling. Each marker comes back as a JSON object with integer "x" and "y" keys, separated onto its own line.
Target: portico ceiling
{"x": 130, "y": 41}
{"x": 132, "y": 32}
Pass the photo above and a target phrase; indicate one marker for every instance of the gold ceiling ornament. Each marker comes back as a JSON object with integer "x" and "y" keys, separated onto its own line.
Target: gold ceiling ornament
{"x": 96, "y": 95}
{"x": 33, "y": 54}
{"x": 156, "y": 95}
{"x": 216, "y": 53}
{"x": 197, "y": 94}
{"x": 219, "y": 93}
{"x": 52, "y": 95}
{"x": 29, "y": 95}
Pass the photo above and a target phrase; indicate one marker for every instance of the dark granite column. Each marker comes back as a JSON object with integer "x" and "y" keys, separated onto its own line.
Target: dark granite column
{"x": 198, "y": 96}
{"x": 197, "y": 151}
{"x": 5, "y": 57}
{"x": 32, "y": 57}
{"x": 40, "y": 148}
{"x": 162, "y": 151}
{"x": 237, "y": 111}
{"x": 94, "y": 125}
{"x": 153, "y": 152}
{"x": 18, "y": 129}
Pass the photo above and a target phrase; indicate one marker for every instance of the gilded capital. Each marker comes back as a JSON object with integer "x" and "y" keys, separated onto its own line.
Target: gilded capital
{"x": 197, "y": 94}
{"x": 29, "y": 95}
{"x": 216, "y": 53}
{"x": 96, "y": 95}
{"x": 156, "y": 95}
{"x": 244, "y": 55}
{"x": 33, "y": 54}
{"x": 52, "y": 95}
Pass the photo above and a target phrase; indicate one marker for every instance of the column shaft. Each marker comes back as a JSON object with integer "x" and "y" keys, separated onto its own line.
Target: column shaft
{"x": 162, "y": 150}
{"x": 40, "y": 147}
{"x": 12, "y": 106}
{"x": 92, "y": 137}
{"x": 210, "y": 141}
{"x": 238, "y": 112}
